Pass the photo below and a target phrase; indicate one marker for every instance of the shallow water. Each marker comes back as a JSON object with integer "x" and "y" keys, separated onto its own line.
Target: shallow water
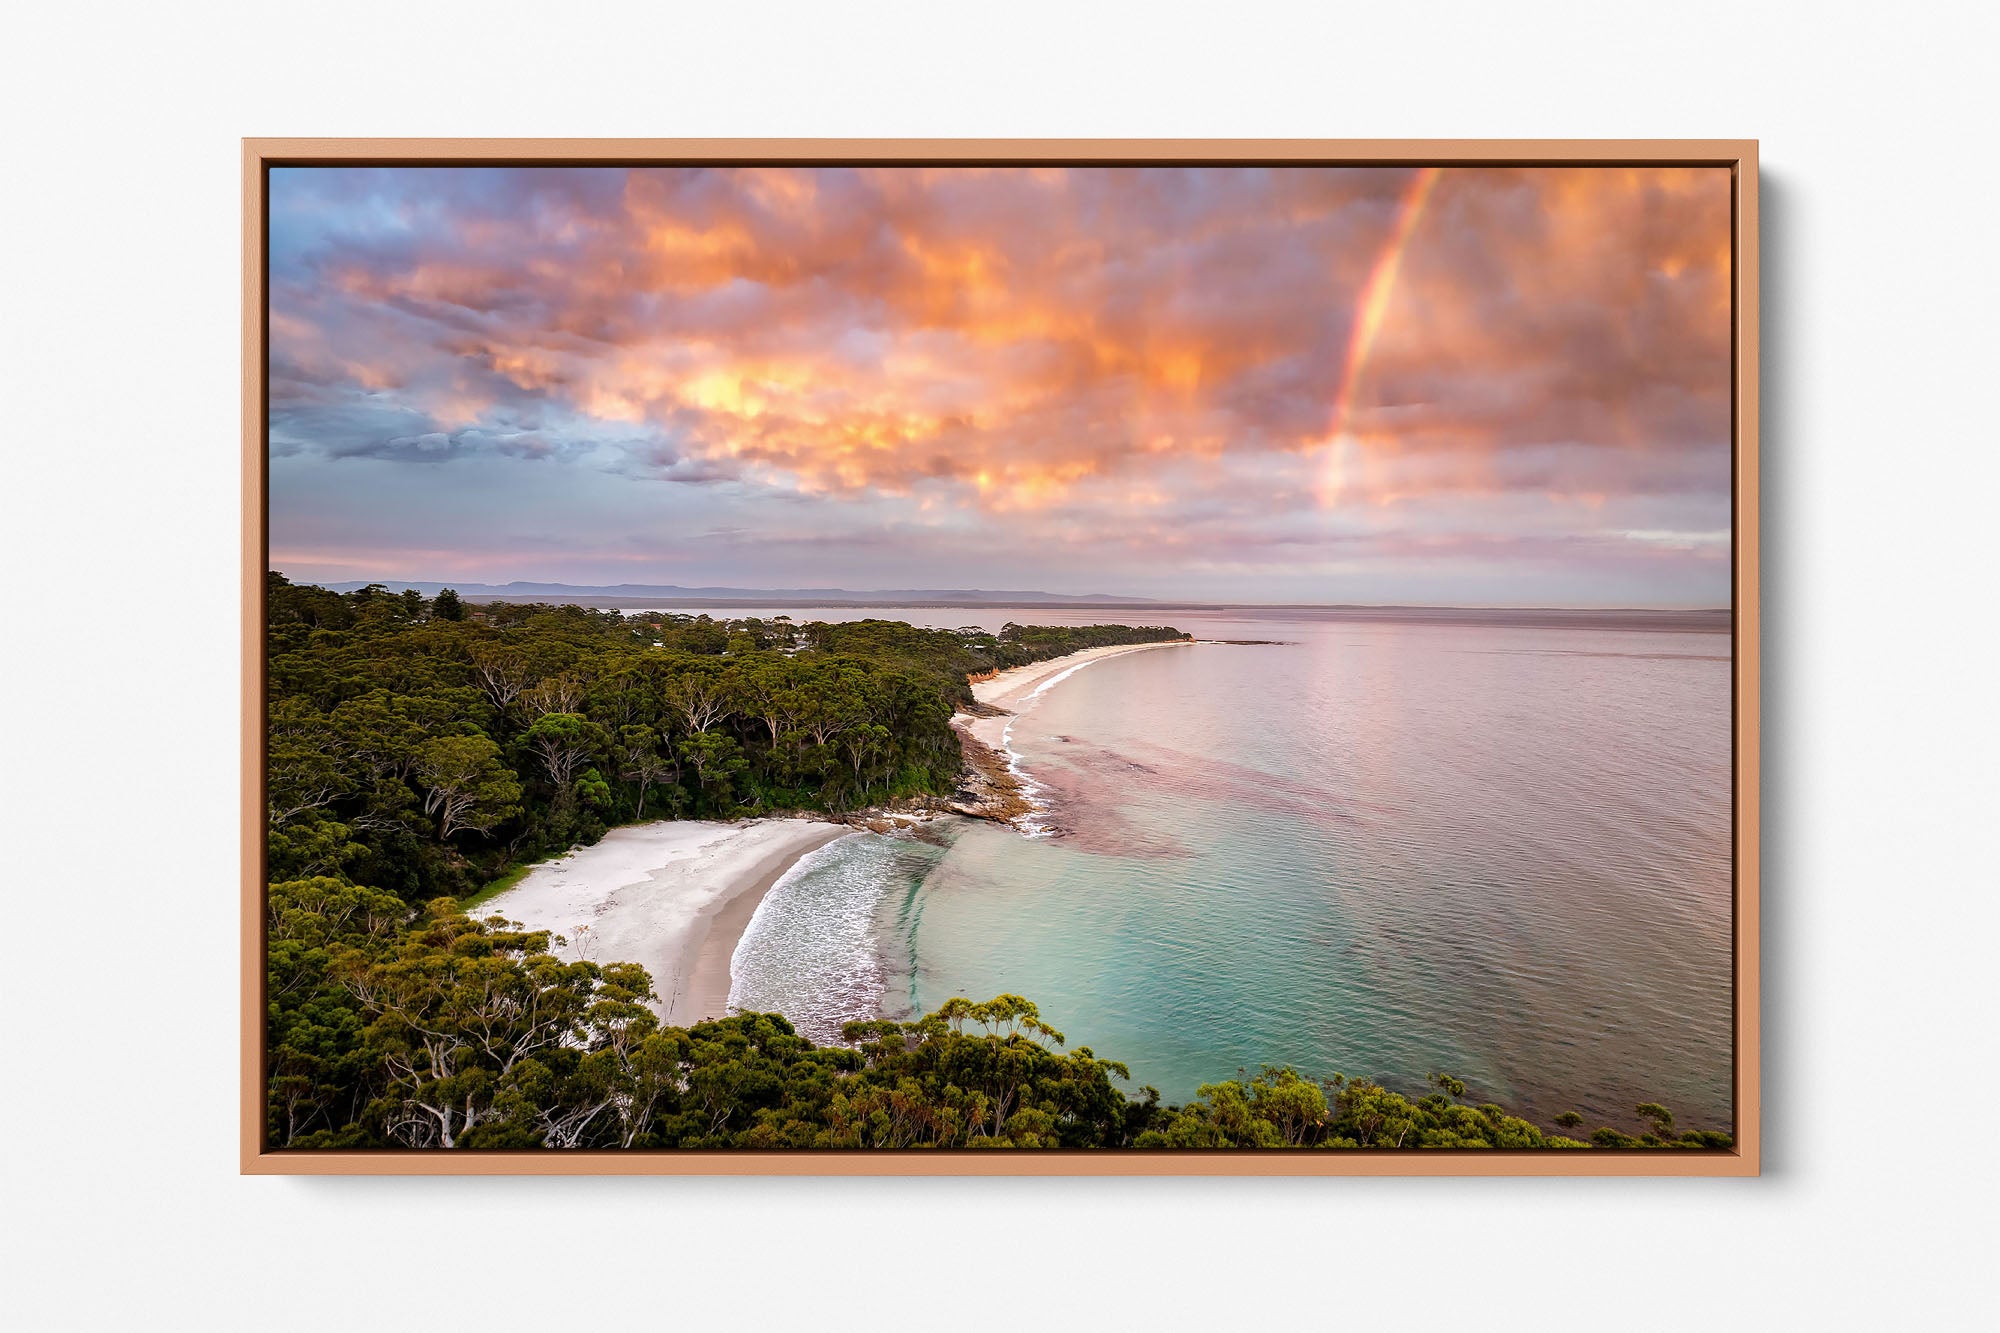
{"x": 812, "y": 951}
{"x": 1379, "y": 849}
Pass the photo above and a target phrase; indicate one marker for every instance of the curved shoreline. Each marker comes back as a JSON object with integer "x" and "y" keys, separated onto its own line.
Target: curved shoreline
{"x": 677, "y": 896}
{"x": 1010, "y": 693}
{"x": 674, "y": 896}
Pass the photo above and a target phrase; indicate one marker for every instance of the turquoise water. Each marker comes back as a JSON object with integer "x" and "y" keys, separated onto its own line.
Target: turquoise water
{"x": 815, "y": 951}
{"x": 1376, "y": 849}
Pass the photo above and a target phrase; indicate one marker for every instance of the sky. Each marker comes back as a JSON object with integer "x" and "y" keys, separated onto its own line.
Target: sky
{"x": 1446, "y": 386}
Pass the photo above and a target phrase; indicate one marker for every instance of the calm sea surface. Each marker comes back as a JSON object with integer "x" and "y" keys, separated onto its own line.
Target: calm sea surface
{"x": 1377, "y": 849}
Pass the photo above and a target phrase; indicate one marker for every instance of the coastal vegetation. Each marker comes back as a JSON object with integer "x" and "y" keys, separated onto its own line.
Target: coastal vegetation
{"x": 426, "y": 1028}
{"x": 420, "y": 752}
{"x": 426, "y": 746}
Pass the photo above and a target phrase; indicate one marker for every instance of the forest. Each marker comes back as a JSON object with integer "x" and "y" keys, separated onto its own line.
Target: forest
{"x": 419, "y": 748}
{"x": 426, "y": 746}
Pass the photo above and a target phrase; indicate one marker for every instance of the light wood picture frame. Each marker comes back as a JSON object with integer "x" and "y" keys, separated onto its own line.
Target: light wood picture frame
{"x": 1737, "y": 157}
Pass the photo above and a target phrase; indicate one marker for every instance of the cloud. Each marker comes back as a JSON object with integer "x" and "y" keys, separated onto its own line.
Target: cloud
{"x": 1117, "y": 348}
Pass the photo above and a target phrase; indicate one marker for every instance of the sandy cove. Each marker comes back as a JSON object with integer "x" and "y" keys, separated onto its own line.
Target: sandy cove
{"x": 673, "y": 896}
{"x": 996, "y": 793}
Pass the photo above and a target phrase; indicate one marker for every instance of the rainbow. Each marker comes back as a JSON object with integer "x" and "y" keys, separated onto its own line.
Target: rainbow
{"x": 1369, "y": 311}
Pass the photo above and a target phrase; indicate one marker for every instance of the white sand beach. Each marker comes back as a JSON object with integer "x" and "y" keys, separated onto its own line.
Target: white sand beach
{"x": 673, "y": 896}
{"x": 1012, "y": 688}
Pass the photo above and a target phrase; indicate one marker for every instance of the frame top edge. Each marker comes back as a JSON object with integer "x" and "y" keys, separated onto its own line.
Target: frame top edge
{"x": 443, "y": 151}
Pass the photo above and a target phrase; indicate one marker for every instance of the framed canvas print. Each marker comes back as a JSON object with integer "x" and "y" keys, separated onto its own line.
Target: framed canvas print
{"x": 983, "y": 657}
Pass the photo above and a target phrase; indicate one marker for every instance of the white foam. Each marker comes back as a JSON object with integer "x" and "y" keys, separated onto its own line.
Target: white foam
{"x": 811, "y": 952}
{"x": 1034, "y": 824}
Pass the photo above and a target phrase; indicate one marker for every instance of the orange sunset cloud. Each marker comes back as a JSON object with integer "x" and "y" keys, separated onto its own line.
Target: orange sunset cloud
{"x": 1534, "y": 356}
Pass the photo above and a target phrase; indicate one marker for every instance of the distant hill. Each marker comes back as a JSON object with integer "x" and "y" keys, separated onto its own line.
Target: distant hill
{"x": 674, "y": 594}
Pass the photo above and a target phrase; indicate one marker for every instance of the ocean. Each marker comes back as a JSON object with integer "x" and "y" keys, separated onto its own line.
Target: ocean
{"x": 1381, "y": 849}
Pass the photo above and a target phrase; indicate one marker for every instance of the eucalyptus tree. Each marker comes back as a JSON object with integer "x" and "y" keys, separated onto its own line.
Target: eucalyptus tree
{"x": 698, "y": 695}
{"x": 466, "y": 787}
{"x": 642, "y": 763}
{"x": 564, "y": 744}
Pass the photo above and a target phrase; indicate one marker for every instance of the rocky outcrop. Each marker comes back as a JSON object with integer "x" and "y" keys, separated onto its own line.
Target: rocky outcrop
{"x": 989, "y": 789}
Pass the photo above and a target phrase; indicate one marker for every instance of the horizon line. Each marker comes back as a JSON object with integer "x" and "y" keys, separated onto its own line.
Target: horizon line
{"x": 861, "y": 598}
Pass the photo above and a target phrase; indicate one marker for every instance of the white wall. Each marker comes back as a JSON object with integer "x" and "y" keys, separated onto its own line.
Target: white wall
{"x": 120, "y": 510}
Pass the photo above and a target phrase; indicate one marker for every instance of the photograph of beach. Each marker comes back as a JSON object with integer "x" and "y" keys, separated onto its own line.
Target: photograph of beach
{"x": 1067, "y": 659}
